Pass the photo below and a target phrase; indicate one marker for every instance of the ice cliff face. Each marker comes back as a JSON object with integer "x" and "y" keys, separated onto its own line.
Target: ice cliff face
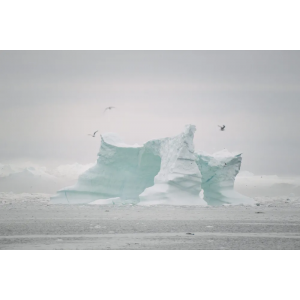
{"x": 218, "y": 174}
{"x": 122, "y": 171}
{"x": 164, "y": 171}
{"x": 179, "y": 178}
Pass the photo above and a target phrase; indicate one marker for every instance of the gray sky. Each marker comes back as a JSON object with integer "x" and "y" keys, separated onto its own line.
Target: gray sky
{"x": 51, "y": 100}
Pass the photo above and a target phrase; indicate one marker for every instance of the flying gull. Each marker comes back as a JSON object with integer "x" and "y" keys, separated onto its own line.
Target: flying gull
{"x": 222, "y": 127}
{"x": 93, "y": 135}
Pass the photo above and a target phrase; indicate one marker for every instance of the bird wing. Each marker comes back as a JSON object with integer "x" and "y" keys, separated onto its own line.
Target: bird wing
{"x": 96, "y": 132}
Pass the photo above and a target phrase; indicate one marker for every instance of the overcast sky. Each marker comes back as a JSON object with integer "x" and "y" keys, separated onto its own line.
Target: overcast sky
{"x": 51, "y": 100}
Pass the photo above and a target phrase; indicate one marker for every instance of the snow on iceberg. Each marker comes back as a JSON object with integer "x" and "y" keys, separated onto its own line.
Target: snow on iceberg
{"x": 163, "y": 171}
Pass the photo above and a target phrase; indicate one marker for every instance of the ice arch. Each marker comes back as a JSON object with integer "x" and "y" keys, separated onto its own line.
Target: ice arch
{"x": 163, "y": 171}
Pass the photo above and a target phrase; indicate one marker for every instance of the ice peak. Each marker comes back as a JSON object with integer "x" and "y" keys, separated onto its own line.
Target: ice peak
{"x": 190, "y": 129}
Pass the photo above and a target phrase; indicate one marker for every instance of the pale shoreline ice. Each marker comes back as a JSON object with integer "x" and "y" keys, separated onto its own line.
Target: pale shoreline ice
{"x": 17, "y": 198}
{"x": 29, "y": 221}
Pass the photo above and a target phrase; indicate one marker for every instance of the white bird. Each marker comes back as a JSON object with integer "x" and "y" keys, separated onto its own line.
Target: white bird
{"x": 93, "y": 135}
{"x": 222, "y": 127}
{"x": 110, "y": 108}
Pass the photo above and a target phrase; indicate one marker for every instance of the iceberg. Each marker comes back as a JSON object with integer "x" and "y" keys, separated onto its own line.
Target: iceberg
{"x": 218, "y": 175}
{"x": 162, "y": 171}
